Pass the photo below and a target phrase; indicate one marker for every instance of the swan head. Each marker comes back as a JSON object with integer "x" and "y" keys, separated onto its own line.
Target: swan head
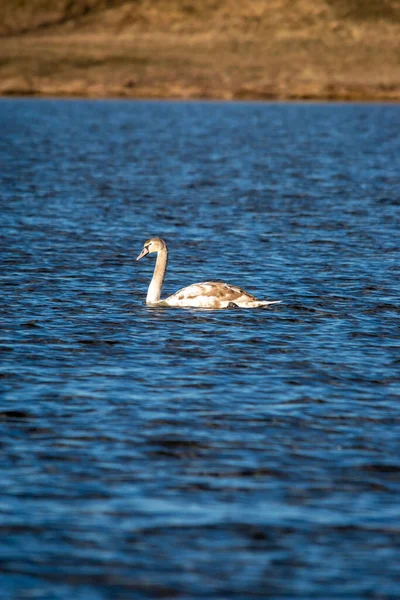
{"x": 152, "y": 245}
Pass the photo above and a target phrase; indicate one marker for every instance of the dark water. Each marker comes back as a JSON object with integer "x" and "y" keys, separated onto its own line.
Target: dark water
{"x": 166, "y": 453}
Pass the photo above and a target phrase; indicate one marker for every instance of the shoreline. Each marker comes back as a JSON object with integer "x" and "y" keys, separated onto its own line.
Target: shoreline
{"x": 217, "y": 99}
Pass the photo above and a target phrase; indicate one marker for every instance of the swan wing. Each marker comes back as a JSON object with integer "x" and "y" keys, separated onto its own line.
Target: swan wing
{"x": 213, "y": 294}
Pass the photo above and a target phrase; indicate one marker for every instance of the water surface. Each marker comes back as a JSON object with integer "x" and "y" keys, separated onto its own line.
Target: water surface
{"x": 165, "y": 453}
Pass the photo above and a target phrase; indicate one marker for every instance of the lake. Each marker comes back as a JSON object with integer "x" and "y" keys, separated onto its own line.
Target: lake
{"x": 152, "y": 452}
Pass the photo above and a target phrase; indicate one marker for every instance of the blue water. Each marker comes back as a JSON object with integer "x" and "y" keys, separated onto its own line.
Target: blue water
{"x": 170, "y": 453}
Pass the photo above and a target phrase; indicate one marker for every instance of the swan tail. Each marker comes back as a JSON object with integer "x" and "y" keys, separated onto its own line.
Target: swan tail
{"x": 258, "y": 303}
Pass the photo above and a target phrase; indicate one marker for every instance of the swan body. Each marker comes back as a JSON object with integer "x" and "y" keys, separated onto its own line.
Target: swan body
{"x": 210, "y": 294}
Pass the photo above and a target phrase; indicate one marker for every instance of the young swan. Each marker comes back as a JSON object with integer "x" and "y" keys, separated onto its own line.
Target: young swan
{"x": 210, "y": 294}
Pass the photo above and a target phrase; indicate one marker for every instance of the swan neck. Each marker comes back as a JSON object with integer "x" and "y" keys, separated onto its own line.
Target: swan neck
{"x": 154, "y": 291}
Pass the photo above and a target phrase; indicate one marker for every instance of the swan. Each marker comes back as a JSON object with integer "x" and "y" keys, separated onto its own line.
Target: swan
{"x": 210, "y": 294}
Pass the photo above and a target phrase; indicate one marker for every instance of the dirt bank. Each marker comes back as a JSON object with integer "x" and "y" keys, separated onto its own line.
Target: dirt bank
{"x": 232, "y": 49}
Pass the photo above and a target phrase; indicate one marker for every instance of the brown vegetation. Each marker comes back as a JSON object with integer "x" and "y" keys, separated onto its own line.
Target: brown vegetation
{"x": 316, "y": 49}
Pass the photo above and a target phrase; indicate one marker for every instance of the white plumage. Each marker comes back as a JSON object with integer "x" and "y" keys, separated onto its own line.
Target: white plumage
{"x": 210, "y": 294}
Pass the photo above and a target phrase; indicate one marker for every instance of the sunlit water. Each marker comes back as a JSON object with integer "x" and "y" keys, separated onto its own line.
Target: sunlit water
{"x": 168, "y": 453}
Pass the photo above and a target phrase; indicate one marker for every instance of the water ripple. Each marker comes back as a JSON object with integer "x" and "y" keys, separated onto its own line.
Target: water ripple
{"x": 161, "y": 453}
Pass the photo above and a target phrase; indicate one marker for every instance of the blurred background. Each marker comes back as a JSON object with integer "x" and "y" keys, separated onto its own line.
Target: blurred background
{"x": 228, "y": 49}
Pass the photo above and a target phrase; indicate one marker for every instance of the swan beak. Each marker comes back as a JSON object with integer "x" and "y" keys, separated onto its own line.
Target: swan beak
{"x": 144, "y": 252}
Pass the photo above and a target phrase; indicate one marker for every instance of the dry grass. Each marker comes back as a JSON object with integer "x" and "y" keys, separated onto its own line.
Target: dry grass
{"x": 216, "y": 49}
